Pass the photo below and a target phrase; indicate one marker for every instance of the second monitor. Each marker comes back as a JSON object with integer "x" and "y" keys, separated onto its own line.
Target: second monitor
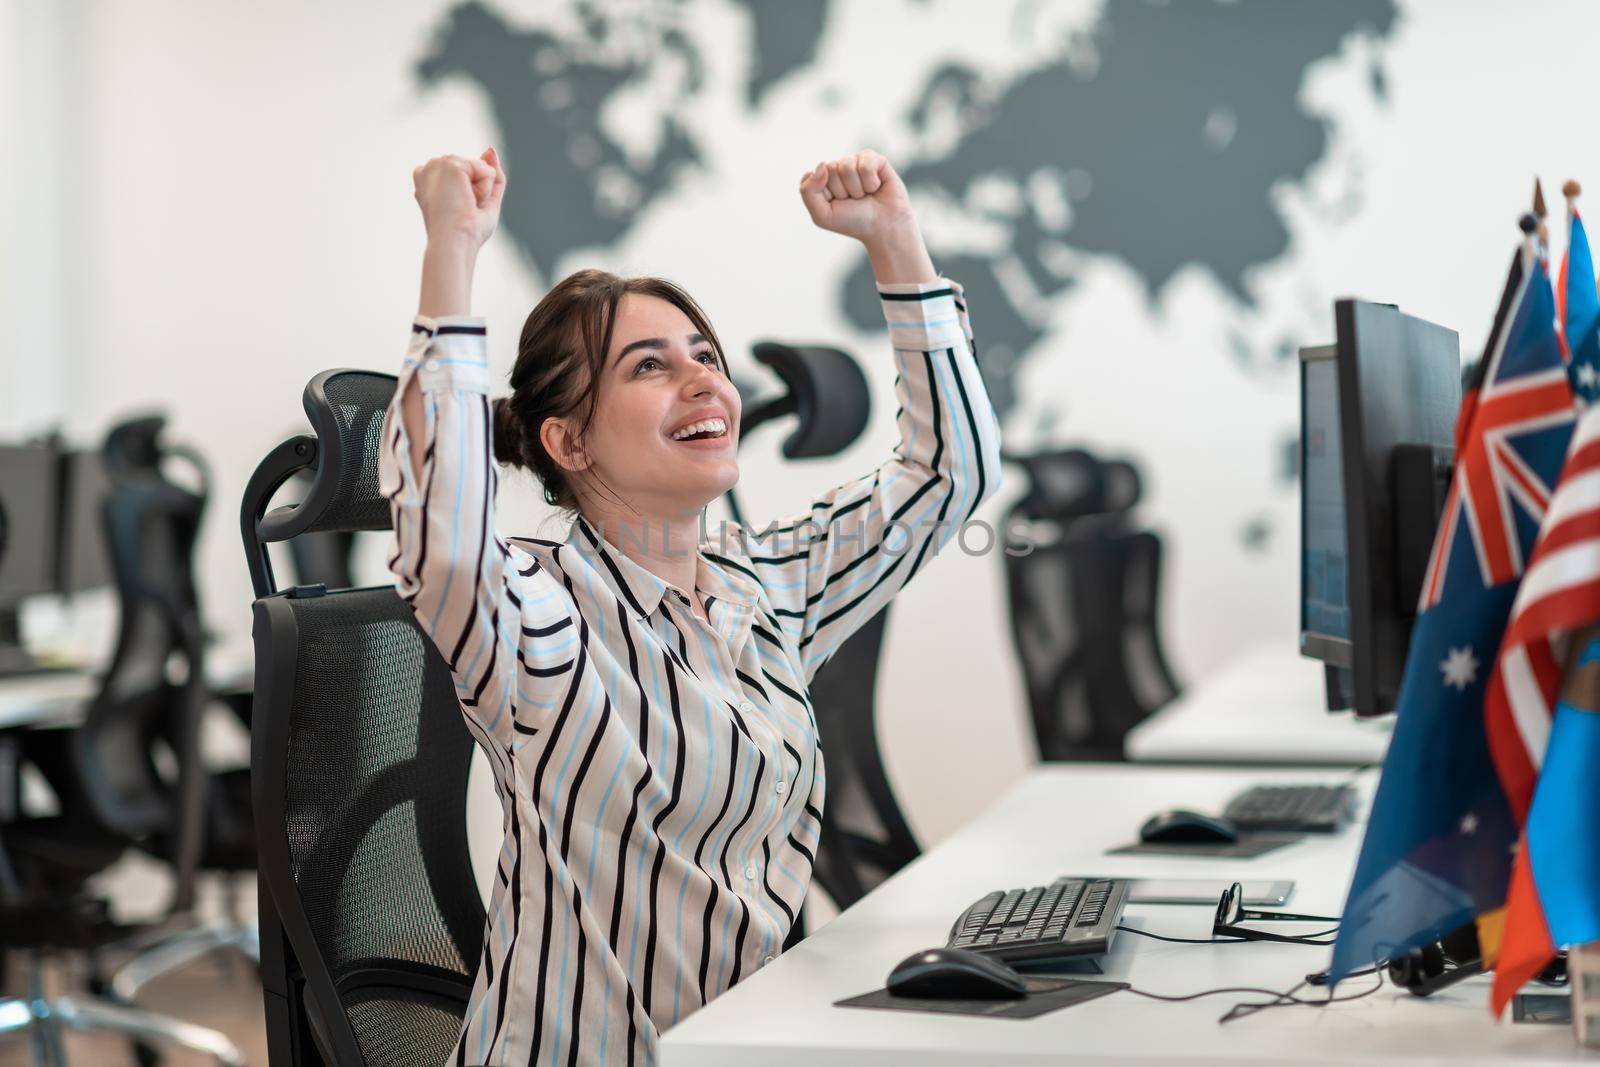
{"x": 1378, "y": 413}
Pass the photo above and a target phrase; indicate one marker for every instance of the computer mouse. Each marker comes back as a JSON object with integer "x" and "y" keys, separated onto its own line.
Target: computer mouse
{"x": 1183, "y": 827}
{"x": 955, "y": 974}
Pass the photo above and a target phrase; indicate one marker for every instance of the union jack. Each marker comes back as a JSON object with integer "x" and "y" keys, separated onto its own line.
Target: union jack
{"x": 1514, "y": 397}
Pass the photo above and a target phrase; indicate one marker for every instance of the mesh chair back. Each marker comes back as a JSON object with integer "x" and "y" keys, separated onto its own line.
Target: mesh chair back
{"x": 1085, "y": 605}
{"x": 865, "y": 837}
{"x": 360, "y": 762}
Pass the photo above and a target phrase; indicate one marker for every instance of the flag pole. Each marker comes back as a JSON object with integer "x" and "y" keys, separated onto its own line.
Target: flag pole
{"x": 1539, "y": 214}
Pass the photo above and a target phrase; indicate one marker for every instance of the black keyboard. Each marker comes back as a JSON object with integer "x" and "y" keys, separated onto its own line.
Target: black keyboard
{"x": 1317, "y": 809}
{"x": 1069, "y": 917}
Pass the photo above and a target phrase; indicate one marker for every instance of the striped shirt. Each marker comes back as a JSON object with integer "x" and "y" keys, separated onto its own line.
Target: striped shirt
{"x": 661, "y": 779}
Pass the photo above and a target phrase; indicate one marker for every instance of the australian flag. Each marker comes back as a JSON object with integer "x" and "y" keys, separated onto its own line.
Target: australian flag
{"x": 1438, "y": 848}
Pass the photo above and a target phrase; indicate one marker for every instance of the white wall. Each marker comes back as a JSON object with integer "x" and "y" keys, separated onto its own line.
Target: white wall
{"x": 206, "y": 203}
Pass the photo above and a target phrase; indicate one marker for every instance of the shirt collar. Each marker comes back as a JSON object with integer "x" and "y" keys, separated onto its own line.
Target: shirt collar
{"x": 642, "y": 589}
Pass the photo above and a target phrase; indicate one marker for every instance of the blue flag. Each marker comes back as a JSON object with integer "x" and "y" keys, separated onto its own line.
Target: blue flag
{"x": 1580, "y": 309}
{"x": 1437, "y": 853}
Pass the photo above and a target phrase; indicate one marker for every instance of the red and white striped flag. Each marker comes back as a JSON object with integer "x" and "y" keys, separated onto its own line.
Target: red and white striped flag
{"x": 1559, "y": 594}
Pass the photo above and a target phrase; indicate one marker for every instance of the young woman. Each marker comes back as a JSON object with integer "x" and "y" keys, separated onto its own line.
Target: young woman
{"x": 640, "y": 689}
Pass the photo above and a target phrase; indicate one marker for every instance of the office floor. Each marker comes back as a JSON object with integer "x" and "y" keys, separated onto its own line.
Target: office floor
{"x": 221, "y": 992}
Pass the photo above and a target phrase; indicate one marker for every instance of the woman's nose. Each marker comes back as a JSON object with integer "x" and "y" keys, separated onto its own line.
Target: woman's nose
{"x": 702, "y": 380}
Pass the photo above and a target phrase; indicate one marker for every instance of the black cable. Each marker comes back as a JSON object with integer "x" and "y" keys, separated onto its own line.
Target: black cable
{"x": 1240, "y": 1011}
{"x": 1303, "y": 940}
{"x": 1185, "y": 940}
{"x": 1205, "y": 993}
{"x": 1321, "y": 977}
{"x": 1280, "y": 998}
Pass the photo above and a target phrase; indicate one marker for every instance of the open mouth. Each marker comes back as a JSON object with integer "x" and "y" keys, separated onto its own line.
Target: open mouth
{"x": 704, "y": 430}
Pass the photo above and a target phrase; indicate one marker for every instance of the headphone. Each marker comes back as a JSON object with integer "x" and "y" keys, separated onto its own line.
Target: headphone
{"x": 1439, "y": 964}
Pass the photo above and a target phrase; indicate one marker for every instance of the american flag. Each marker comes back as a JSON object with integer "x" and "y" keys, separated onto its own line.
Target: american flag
{"x": 1559, "y": 595}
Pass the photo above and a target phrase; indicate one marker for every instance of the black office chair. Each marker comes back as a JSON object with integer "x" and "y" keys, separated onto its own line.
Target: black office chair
{"x": 371, "y": 920}
{"x": 865, "y": 837}
{"x": 1085, "y": 605}
{"x": 106, "y": 773}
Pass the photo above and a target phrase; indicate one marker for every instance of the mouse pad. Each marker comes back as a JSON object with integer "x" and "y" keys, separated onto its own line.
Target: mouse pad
{"x": 1250, "y": 845}
{"x": 1044, "y": 995}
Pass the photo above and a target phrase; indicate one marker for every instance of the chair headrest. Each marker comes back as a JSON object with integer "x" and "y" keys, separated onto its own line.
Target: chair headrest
{"x": 1074, "y": 483}
{"x": 346, "y": 409}
{"x": 826, "y": 389}
{"x": 134, "y": 445}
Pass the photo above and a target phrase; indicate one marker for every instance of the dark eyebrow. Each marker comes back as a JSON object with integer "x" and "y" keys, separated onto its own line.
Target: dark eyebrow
{"x": 656, "y": 342}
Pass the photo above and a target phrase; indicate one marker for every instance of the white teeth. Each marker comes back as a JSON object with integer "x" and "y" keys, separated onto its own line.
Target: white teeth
{"x": 716, "y": 426}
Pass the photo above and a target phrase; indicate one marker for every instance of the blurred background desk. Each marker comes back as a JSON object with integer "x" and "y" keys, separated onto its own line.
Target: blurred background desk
{"x": 1265, "y": 706}
{"x": 784, "y": 1013}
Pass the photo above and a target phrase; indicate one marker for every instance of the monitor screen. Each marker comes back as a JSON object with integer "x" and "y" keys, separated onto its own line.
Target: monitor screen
{"x": 29, "y": 504}
{"x": 1324, "y": 563}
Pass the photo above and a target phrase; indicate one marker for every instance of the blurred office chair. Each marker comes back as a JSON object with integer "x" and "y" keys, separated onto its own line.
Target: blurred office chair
{"x": 371, "y": 920}
{"x": 151, "y": 562}
{"x": 865, "y": 837}
{"x": 1085, "y": 605}
{"x": 107, "y": 773}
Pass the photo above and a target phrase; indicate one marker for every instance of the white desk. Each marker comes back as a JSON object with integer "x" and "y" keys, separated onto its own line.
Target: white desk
{"x": 1267, "y": 706}
{"x": 57, "y": 698}
{"x": 1058, "y": 821}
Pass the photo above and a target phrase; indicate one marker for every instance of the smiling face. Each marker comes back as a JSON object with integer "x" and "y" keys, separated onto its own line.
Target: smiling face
{"x": 666, "y": 421}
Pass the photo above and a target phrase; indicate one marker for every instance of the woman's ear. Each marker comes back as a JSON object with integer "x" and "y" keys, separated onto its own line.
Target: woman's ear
{"x": 561, "y": 444}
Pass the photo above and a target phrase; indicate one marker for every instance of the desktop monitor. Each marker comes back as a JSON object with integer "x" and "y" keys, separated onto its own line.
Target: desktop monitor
{"x": 85, "y": 559}
{"x": 29, "y": 504}
{"x": 1378, "y": 411}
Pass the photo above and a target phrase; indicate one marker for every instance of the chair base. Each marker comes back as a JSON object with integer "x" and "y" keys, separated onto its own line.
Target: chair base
{"x": 177, "y": 951}
{"x": 42, "y": 1020}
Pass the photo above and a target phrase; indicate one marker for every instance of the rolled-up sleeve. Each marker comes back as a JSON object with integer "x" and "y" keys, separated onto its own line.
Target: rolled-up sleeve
{"x": 484, "y": 603}
{"x": 832, "y": 567}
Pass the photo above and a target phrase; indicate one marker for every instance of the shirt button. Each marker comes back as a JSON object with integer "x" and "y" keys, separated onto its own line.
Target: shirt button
{"x": 432, "y": 364}
{"x": 747, "y": 706}
{"x": 750, "y": 873}
{"x": 782, "y": 787}
{"x": 767, "y": 959}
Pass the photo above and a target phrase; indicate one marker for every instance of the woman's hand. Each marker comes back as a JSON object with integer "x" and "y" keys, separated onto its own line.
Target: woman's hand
{"x": 460, "y": 202}
{"x": 460, "y": 197}
{"x": 861, "y": 196}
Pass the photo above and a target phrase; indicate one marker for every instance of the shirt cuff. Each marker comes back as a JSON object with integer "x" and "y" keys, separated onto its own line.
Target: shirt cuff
{"x": 449, "y": 353}
{"x": 922, "y": 316}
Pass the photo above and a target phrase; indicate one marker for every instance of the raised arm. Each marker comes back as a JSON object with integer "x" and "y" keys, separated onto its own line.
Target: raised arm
{"x": 501, "y": 624}
{"x": 835, "y": 565}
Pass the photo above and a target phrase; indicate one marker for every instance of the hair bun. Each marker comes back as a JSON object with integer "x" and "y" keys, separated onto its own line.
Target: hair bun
{"x": 508, "y": 434}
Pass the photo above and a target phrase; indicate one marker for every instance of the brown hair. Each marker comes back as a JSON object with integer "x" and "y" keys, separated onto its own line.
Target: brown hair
{"x": 561, "y": 357}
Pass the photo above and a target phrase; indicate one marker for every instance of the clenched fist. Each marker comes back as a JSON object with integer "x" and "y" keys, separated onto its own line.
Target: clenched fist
{"x": 460, "y": 197}
{"x": 858, "y": 196}
{"x": 861, "y": 196}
